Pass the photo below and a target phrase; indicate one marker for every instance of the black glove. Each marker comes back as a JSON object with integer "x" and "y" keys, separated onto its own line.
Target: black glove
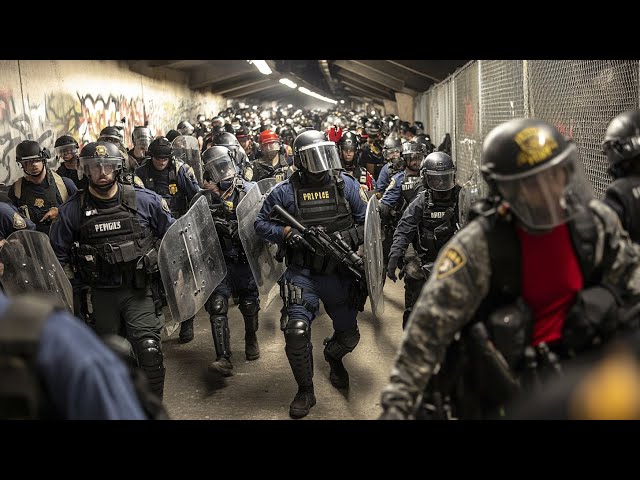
{"x": 391, "y": 268}
{"x": 295, "y": 238}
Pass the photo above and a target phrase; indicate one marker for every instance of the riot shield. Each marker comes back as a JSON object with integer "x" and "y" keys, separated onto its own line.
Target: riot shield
{"x": 28, "y": 264}
{"x": 185, "y": 148}
{"x": 260, "y": 254}
{"x": 469, "y": 194}
{"x": 190, "y": 261}
{"x": 373, "y": 260}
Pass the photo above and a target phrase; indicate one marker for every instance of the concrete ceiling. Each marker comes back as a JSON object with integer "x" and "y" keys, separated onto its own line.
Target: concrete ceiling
{"x": 371, "y": 81}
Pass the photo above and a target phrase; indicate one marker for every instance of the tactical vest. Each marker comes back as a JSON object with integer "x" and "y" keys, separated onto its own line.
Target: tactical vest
{"x": 438, "y": 224}
{"x": 22, "y": 393}
{"x": 261, "y": 171}
{"x": 228, "y": 214}
{"x": 319, "y": 205}
{"x": 113, "y": 243}
{"x": 49, "y": 199}
{"x": 176, "y": 200}
{"x": 627, "y": 190}
{"x": 360, "y": 174}
{"x": 411, "y": 186}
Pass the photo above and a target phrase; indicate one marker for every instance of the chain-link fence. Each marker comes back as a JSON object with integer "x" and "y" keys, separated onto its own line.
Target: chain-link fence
{"x": 579, "y": 97}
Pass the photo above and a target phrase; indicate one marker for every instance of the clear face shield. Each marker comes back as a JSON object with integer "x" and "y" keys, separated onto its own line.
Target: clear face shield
{"x": 142, "y": 142}
{"x": 270, "y": 150}
{"x": 111, "y": 139}
{"x": 440, "y": 181}
{"x": 320, "y": 157}
{"x": 32, "y": 165}
{"x": 391, "y": 153}
{"x": 98, "y": 169}
{"x": 220, "y": 168}
{"x": 549, "y": 196}
{"x": 412, "y": 161}
{"x": 66, "y": 152}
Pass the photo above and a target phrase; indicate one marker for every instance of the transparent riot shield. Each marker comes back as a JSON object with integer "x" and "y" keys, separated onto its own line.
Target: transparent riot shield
{"x": 185, "y": 148}
{"x": 260, "y": 254}
{"x": 28, "y": 264}
{"x": 373, "y": 263}
{"x": 469, "y": 194}
{"x": 190, "y": 261}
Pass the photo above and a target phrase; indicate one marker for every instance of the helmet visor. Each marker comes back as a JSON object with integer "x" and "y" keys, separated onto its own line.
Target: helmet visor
{"x": 110, "y": 138}
{"x": 271, "y": 147}
{"x": 93, "y": 168}
{"x": 390, "y": 153}
{"x": 221, "y": 168}
{"x": 66, "y": 150}
{"x": 320, "y": 157}
{"x": 440, "y": 181}
{"x": 551, "y": 196}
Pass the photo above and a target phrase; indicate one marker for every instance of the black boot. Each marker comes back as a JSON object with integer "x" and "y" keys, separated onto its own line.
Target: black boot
{"x": 299, "y": 352}
{"x": 186, "y": 331}
{"x": 337, "y": 347}
{"x": 221, "y": 340}
{"x": 251, "y": 348}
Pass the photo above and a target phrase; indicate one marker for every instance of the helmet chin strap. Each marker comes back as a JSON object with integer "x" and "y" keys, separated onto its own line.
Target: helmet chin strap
{"x": 103, "y": 188}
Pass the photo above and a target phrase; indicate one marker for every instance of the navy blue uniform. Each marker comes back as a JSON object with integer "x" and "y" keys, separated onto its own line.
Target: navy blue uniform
{"x": 384, "y": 178}
{"x": 393, "y": 192}
{"x": 80, "y": 183}
{"x": 176, "y": 184}
{"x": 36, "y": 200}
{"x": 83, "y": 378}
{"x": 11, "y": 220}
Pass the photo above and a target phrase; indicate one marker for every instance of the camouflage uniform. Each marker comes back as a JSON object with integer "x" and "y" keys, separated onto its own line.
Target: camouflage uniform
{"x": 461, "y": 281}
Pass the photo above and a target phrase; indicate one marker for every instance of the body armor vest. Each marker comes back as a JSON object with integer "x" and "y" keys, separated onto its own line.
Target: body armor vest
{"x": 226, "y": 213}
{"x": 359, "y": 173}
{"x": 113, "y": 243}
{"x": 23, "y": 191}
{"x": 176, "y": 200}
{"x": 438, "y": 224}
{"x": 627, "y": 190}
{"x": 261, "y": 171}
{"x": 319, "y": 205}
{"x": 411, "y": 186}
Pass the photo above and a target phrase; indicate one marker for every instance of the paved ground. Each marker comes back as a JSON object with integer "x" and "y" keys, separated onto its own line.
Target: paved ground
{"x": 264, "y": 388}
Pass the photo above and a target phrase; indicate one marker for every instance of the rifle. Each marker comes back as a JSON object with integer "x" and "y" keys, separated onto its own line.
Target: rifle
{"x": 316, "y": 238}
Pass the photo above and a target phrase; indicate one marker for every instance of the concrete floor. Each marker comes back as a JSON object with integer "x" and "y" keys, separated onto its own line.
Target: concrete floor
{"x": 264, "y": 388}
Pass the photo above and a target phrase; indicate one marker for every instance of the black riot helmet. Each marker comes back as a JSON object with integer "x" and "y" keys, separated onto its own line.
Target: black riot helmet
{"x": 438, "y": 172}
{"x": 536, "y": 171}
{"x": 413, "y": 153}
{"x": 426, "y": 141}
{"x": 141, "y": 137}
{"x": 392, "y": 148}
{"x": 31, "y": 151}
{"x": 98, "y": 157}
{"x": 621, "y": 143}
{"x": 160, "y": 148}
{"x": 373, "y": 128}
{"x": 111, "y": 134}
{"x": 66, "y": 144}
{"x": 347, "y": 144}
{"x": 313, "y": 153}
{"x": 172, "y": 134}
{"x": 185, "y": 128}
{"x": 218, "y": 164}
{"x": 287, "y": 135}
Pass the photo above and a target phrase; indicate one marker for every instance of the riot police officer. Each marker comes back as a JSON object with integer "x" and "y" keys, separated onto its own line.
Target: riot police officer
{"x": 316, "y": 195}
{"x": 185, "y": 128}
{"x": 174, "y": 181}
{"x": 237, "y": 153}
{"x": 141, "y": 138}
{"x": 622, "y": 147}
{"x": 41, "y": 191}
{"x": 427, "y": 223}
{"x": 227, "y": 189}
{"x": 273, "y": 161}
{"x": 391, "y": 151}
{"x": 246, "y": 142}
{"x": 521, "y": 286}
{"x": 371, "y": 157}
{"x": 116, "y": 228}
{"x": 349, "y": 148}
{"x": 67, "y": 150}
{"x": 113, "y": 134}
{"x": 11, "y": 220}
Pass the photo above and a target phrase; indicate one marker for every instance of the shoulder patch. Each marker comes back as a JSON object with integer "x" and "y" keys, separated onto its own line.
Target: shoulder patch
{"x": 137, "y": 181}
{"x": 450, "y": 262}
{"x": 18, "y": 221}
{"x": 165, "y": 207}
{"x": 392, "y": 184}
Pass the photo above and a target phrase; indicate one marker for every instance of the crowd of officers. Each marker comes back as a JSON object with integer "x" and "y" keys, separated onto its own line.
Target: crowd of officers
{"x": 501, "y": 297}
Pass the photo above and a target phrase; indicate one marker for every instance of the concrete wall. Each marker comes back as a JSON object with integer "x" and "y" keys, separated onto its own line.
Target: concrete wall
{"x": 43, "y": 99}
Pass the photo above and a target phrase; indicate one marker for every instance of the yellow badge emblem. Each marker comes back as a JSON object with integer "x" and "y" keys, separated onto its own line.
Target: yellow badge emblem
{"x": 534, "y": 146}
{"x": 101, "y": 151}
{"x": 229, "y": 205}
{"x": 39, "y": 202}
{"x": 18, "y": 221}
{"x": 450, "y": 262}
{"x": 173, "y": 188}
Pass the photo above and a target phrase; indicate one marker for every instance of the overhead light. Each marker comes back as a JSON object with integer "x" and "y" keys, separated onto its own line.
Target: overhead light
{"x": 289, "y": 106}
{"x": 262, "y": 66}
{"x": 288, "y": 83}
{"x": 341, "y": 101}
{"x": 316, "y": 95}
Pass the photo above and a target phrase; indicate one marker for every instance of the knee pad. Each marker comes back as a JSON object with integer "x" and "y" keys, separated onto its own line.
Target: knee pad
{"x": 342, "y": 343}
{"x": 297, "y": 334}
{"x": 149, "y": 352}
{"x": 218, "y": 305}
{"x": 249, "y": 306}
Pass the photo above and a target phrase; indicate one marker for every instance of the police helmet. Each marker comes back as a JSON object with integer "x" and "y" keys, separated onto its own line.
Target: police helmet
{"x": 218, "y": 164}
{"x": 185, "y": 128}
{"x": 98, "y": 156}
{"x": 66, "y": 144}
{"x": 622, "y": 142}
{"x": 413, "y": 152}
{"x": 111, "y": 134}
{"x": 392, "y": 147}
{"x": 438, "y": 172}
{"x": 30, "y": 150}
{"x": 141, "y": 137}
{"x": 161, "y": 148}
{"x": 373, "y": 128}
{"x": 313, "y": 153}
{"x": 172, "y": 134}
{"x": 537, "y": 171}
